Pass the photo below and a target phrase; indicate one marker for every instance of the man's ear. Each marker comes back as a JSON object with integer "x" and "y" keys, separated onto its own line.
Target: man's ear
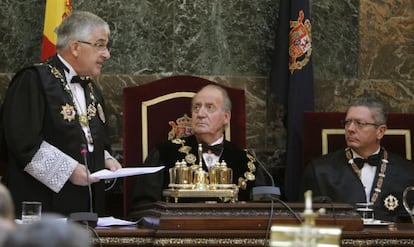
{"x": 74, "y": 48}
{"x": 227, "y": 116}
{"x": 381, "y": 131}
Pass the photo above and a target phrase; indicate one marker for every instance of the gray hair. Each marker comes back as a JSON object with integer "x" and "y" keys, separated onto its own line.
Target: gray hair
{"x": 376, "y": 107}
{"x": 226, "y": 98}
{"x": 78, "y": 26}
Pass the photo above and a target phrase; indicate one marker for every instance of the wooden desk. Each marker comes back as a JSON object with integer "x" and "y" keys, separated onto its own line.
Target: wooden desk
{"x": 241, "y": 225}
{"x": 242, "y": 215}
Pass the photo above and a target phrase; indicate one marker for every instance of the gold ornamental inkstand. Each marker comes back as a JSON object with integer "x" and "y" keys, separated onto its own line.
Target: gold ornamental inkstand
{"x": 194, "y": 182}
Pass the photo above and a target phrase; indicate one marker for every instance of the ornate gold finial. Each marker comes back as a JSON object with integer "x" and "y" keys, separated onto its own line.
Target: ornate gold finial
{"x": 306, "y": 234}
{"x": 308, "y": 214}
{"x": 200, "y": 155}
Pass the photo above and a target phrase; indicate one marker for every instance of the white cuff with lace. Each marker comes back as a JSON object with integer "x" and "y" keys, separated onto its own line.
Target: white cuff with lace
{"x": 51, "y": 166}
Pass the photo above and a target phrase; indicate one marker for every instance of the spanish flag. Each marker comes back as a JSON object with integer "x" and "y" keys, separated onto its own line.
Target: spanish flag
{"x": 56, "y": 11}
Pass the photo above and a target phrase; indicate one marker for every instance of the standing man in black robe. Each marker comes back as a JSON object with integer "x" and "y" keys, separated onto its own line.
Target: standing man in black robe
{"x": 364, "y": 172}
{"x": 53, "y": 114}
{"x": 210, "y": 113}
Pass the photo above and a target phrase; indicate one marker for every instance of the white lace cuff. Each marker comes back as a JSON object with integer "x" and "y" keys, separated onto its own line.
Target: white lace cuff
{"x": 51, "y": 166}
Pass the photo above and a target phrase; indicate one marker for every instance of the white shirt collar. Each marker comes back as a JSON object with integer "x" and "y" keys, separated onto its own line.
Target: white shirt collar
{"x": 218, "y": 141}
{"x": 71, "y": 72}
{"x": 356, "y": 155}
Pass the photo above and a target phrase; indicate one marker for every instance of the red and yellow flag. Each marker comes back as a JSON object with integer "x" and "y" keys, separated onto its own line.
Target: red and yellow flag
{"x": 56, "y": 11}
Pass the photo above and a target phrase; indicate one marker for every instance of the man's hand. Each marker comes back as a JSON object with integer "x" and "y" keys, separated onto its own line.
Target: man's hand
{"x": 112, "y": 164}
{"x": 80, "y": 176}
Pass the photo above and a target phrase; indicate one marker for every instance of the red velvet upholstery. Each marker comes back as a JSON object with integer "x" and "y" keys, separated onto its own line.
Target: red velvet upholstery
{"x": 162, "y": 101}
{"x": 319, "y": 125}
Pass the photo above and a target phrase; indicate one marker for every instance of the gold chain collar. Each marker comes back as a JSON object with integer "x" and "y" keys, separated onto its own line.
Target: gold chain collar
{"x": 91, "y": 108}
{"x": 381, "y": 173}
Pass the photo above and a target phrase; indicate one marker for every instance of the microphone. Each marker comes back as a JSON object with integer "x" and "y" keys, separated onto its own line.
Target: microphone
{"x": 264, "y": 193}
{"x": 269, "y": 193}
{"x": 88, "y": 218}
{"x": 84, "y": 152}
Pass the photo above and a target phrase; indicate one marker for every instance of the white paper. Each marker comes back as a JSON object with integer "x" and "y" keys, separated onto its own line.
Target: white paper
{"x": 125, "y": 172}
{"x": 102, "y": 221}
{"x": 111, "y": 221}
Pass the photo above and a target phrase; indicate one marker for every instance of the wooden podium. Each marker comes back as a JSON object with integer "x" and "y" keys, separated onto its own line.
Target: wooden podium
{"x": 240, "y": 216}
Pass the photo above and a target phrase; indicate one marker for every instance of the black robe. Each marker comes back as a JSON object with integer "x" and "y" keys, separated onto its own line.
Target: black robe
{"x": 32, "y": 113}
{"x": 331, "y": 176}
{"x": 148, "y": 188}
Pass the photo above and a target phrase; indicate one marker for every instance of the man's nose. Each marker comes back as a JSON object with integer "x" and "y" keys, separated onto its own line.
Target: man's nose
{"x": 202, "y": 111}
{"x": 351, "y": 126}
{"x": 107, "y": 54}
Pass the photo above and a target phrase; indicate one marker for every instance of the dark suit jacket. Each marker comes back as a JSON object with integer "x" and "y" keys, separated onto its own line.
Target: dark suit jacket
{"x": 148, "y": 188}
{"x": 332, "y": 176}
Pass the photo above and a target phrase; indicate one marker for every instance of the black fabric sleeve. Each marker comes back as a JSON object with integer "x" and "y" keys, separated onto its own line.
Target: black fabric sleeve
{"x": 148, "y": 187}
{"x": 24, "y": 111}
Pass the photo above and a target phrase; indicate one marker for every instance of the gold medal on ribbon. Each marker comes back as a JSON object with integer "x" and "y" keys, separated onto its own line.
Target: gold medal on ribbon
{"x": 178, "y": 141}
{"x": 190, "y": 158}
{"x": 184, "y": 149}
{"x": 101, "y": 113}
{"x": 249, "y": 176}
{"x": 242, "y": 183}
{"x": 68, "y": 112}
{"x": 91, "y": 111}
{"x": 83, "y": 120}
{"x": 251, "y": 166}
{"x": 391, "y": 202}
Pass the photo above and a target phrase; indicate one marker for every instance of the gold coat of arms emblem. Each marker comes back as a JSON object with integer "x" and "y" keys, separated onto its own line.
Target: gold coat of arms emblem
{"x": 300, "y": 42}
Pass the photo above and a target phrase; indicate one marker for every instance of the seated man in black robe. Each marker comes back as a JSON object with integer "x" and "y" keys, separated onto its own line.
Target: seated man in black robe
{"x": 211, "y": 112}
{"x": 364, "y": 172}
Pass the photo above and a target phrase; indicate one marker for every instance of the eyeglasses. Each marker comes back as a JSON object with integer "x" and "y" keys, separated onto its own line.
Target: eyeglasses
{"x": 98, "y": 46}
{"x": 358, "y": 123}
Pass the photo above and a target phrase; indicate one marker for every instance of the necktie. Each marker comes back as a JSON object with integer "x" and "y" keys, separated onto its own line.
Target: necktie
{"x": 215, "y": 149}
{"x": 80, "y": 80}
{"x": 373, "y": 160}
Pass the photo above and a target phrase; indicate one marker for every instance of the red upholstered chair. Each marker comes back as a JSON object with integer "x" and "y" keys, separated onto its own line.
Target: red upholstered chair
{"x": 154, "y": 111}
{"x": 323, "y": 133}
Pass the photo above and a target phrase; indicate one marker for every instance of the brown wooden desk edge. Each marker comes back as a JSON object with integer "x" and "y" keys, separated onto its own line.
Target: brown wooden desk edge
{"x": 403, "y": 235}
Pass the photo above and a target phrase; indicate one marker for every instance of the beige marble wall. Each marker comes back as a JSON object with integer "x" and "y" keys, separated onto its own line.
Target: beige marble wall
{"x": 385, "y": 60}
